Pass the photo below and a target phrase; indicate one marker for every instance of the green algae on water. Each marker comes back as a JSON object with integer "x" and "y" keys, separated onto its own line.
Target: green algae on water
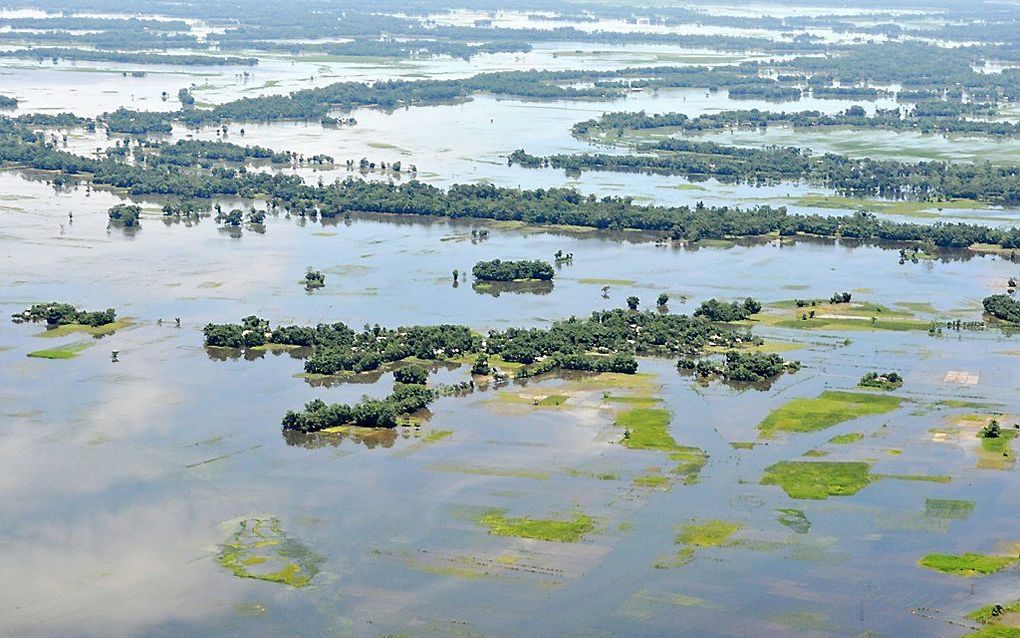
{"x": 707, "y": 533}
{"x": 261, "y": 550}
{"x": 795, "y": 520}
{"x": 546, "y": 529}
{"x": 846, "y": 439}
{"x": 948, "y": 508}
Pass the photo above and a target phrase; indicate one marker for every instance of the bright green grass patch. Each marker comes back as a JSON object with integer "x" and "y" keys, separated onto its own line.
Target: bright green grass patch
{"x": 553, "y": 400}
{"x": 560, "y": 531}
{"x": 967, "y": 564}
{"x": 824, "y": 411}
{"x": 948, "y": 508}
{"x": 837, "y": 324}
{"x": 710, "y": 533}
{"x": 69, "y": 351}
{"x": 846, "y": 439}
{"x": 646, "y": 429}
{"x": 990, "y": 613}
{"x": 818, "y": 479}
{"x": 653, "y": 480}
{"x": 995, "y": 631}
{"x": 97, "y": 331}
{"x": 816, "y": 453}
{"x": 844, "y": 316}
{"x": 997, "y": 453}
{"x": 261, "y": 550}
{"x": 641, "y": 383}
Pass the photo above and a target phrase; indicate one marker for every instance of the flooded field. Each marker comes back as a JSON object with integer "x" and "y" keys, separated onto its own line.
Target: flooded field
{"x": 148, "y": 488}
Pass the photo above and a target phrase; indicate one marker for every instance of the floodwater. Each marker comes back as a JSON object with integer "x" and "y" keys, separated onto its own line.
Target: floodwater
{"x": 121, "y": 481}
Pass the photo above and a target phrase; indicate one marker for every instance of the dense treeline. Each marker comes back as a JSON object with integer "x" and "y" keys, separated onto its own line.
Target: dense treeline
{"x": 507, "y": 270}
{"x": 129, "y": 57}
{"x": 865, "y": 177}
{"x": 93, "y": 23}
{"x": 124, "y": 39}
{"x": 61, "y": 314}
{"x": 22, "y": 147}
{"x": 925, "y": 117}
{"x": 715, "y": 310}
{"x": 605, "y": 341}
{"x": 1003, "y": 307}
{"x": 740, "y": 367}
{"x": 202, "y": 153}
{"x": 126, "y": 215}
{"x": 370, "y": 413}
{"x": 421, "y": 48}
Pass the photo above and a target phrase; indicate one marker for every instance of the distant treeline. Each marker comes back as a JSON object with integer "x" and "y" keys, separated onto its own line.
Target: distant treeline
{"x": 925, "y": 117}
{"x": 926, "y": 181}
{"x": 128, "y": 57}
{"x": 20, "y": 146}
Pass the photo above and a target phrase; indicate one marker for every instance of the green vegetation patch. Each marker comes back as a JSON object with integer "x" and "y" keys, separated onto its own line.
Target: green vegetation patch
{"x": 742, "y": 445}
{"x": 818, "y": 479}
{"x": 70, "y": 351}
{"x": 996, "y": 453}
{"x": 946, "y": 508}
{"x": 707, "y": 533}
{"x": 646, "y": 429}
{"x": 437, "y": 435}
{"x": 261, "y": 550}
{"x": 846, "y": 439}
{"x": 645, "y": 604}
{"x": 656, "y": 481}
{"x": 545, "y": 529}
{"x": 689, "y": 460}
{"x": 795, "y": 519}
{"x": 839, "y": 316}
{"x": 553, "y": 400}
{"x": 679, "y": 559}
{"x": 643, "y": 401}
{"x": 967, "y": 564}
{"x": 96, "y": 331}
{"x": 606, "y": 282}
{"x": 824, "y": 411}
{"x": 994, "y": 613}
